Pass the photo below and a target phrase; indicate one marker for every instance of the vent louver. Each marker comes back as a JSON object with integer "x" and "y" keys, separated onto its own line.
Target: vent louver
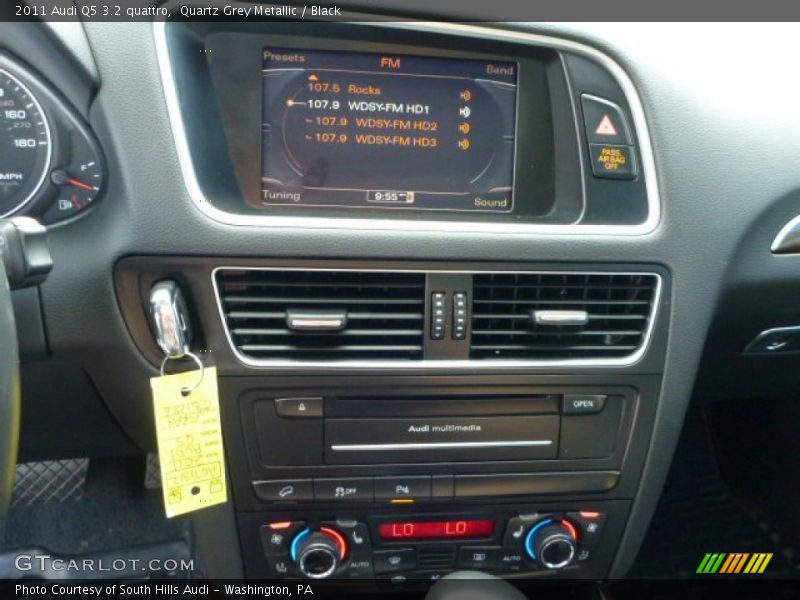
{"x": 435, "y": 557}
{"x": 381, "y": 313}
{"x": 616, "y": 311}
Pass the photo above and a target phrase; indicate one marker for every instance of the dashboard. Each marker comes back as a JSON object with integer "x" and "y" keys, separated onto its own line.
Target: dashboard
{"x": 457, "y": 279}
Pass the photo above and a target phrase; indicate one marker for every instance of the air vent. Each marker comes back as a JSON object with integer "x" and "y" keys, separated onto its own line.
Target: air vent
{"x": 436, "y": 557}
{"x": 551, "y": 316}
{"x": 323, "y": 315}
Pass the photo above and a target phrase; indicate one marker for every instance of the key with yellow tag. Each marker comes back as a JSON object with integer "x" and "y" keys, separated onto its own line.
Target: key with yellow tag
{"x": 189, "y": 440}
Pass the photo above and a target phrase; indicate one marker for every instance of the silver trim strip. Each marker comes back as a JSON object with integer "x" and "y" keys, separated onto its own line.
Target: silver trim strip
{"x": 407, "y": 365}
{"x": 318, "y": 547}
{"x": 316, "y": 324}
{"x": 561, "y": 317}
{"x": 459, "y": 29}
{"x": 439, "y": 445}
{"x": 556, "y": 539}
{"x": 756, "y": 346}
{"x": 785, "y": 231}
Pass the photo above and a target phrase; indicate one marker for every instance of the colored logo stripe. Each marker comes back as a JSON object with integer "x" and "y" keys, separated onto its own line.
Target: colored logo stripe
{"x": 758, "y": 563}
{"x": 731, "y": 560}
{"x": 736, "y": 562}
{"x": 703, "y": 563}
{"x": 711, "y": 563}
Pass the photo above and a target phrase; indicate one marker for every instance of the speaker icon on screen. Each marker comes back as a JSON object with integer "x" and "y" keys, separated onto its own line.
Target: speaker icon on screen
{"x": 464, "y": 144}
{"x": 464, "y": 111}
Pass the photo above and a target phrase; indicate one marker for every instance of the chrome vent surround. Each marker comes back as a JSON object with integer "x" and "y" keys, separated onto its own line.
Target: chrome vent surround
{"x": 617, "y": 310}
{"x": 385, "y": 313}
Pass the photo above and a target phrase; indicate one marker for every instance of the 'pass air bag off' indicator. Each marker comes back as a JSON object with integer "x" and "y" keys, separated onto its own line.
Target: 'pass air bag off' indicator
{"x": 613, "y": 162}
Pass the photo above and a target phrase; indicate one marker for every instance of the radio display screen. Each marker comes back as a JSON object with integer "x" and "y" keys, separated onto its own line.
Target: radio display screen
{"x": 435, "y": 530}
{"x": 387, "y": 131}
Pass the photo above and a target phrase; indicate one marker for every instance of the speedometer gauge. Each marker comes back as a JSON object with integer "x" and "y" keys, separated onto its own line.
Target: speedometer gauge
{"x": 25, "y": 144}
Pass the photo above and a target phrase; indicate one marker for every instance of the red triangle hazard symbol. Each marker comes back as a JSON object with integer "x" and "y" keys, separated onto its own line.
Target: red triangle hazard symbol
{"x": 606, "y": 127}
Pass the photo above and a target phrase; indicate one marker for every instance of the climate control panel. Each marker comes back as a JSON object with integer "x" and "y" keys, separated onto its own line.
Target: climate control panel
{"x": 394, "y": 549}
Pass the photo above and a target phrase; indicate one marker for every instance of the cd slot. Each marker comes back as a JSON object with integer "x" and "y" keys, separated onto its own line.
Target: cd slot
{"x": 436, "y": 406}
{"x": 440, "y": 439}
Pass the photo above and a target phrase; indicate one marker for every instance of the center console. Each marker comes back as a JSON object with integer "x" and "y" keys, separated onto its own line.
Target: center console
{"x": 368, "y": 436}
{"x": 397, "y": 420}
{"x": 434, "y": 479}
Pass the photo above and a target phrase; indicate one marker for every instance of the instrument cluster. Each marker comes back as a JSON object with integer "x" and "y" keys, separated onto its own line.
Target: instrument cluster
{"x": 51, "y": 166}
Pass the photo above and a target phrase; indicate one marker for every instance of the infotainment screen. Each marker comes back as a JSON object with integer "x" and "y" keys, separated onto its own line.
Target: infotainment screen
{"x": 387, "y": 131}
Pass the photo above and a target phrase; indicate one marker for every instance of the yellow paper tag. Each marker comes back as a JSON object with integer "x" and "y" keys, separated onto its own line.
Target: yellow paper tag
{"x": 189, "y": 441}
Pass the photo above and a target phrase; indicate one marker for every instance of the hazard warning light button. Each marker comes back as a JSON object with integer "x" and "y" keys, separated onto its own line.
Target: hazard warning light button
{"x": 605, "y": 122}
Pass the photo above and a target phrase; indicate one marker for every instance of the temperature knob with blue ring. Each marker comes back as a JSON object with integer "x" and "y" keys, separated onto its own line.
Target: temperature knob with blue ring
{"x": 318, "y": 553}
{"x": 552, "y": 543}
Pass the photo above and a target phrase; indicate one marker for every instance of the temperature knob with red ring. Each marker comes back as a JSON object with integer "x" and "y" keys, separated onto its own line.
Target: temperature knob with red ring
{"x": 552, "y": 543}
{"x": 318, "y": 554}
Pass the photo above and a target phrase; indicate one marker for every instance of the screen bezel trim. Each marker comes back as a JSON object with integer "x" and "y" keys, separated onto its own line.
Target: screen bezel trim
{"x": 549, "y": 182}
{"x": 455, "y": 29}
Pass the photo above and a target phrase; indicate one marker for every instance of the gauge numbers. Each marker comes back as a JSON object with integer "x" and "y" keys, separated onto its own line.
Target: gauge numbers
{"x": 25, "y": 144}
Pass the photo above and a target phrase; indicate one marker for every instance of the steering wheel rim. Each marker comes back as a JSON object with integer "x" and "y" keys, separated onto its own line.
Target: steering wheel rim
{"x": 10, "y": 394}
